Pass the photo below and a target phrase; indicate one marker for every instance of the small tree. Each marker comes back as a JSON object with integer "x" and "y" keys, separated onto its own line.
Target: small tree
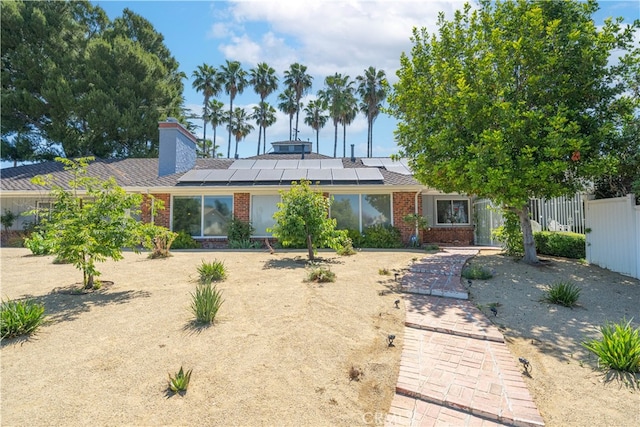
{"x": 90, "y": 222}
{"x": 303, "y": 218}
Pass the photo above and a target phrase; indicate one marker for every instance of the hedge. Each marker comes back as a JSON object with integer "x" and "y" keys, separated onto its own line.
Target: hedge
{"x": 562, "y": 244}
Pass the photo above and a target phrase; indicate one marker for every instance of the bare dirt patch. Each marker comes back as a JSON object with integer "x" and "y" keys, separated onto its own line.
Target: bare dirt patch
{"x": 564, "y": 380}
{"x": 280, "y": 353}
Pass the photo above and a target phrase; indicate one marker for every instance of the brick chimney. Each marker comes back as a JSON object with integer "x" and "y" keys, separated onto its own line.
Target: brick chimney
{"x": 177, "y": 150}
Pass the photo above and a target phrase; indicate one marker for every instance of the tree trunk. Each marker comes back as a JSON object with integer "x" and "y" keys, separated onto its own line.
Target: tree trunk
{"x": 259, "y": 139}
{"x": 310, "y": 247}
{"x": 530, "y": 255}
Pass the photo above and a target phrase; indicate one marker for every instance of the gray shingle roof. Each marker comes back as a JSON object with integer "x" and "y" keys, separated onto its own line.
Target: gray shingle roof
{"x": 144, "y": 172}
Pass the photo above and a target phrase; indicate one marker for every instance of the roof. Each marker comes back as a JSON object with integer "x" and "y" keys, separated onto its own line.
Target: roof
{"x": 143, "y": 172}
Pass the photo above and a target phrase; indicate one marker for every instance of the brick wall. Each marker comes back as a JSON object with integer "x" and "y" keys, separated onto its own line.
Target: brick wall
{"x": 241, "y": 206}
{"x": 163, "y": 216}
{"x": 456, "y": 236}
{"x": 403, "y": 204}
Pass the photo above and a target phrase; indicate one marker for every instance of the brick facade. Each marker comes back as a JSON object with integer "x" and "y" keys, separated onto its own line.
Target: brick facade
{"x": 404, "y": 204}
{"x": 456, "y": 236}
{"x": 163, "y": 216}
{"x": 242, "y": 206}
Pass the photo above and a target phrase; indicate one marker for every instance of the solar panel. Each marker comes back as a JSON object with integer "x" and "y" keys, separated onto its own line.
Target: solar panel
{"x": 219, "y": 175}
{"x": 344, "y": 175}
{"x": 242, "y": 164}
{"x": 314, "y": 175}
{"x": 309, "y": 164}
{"x": 264, "y": 164}
{"x": 387, "y": 161}
{"x": 287, "y": 164}
{"x": 289, "y": 175}
{"x": 401, "y": 169}
{"x": 265, "y": 175}
{"x": 197, "y": 175}
{"x": 373, "y": 162}
{"x": 331, "y": 164}
{"x": 248, "y": 175}
{"x": 368, "y": 174}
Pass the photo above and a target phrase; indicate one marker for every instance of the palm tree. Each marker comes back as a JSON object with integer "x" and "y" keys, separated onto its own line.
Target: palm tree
{"x": 206, "y": 81}
{"x": 234, "y": 80}
{"x": 216, "y": 118}
{"x": 264, "y": 115}
{"x": 239, "y": 126}
{"x": 316, "y": 118}
{"x": 332, "y": 97}
{"x": 372, "y": 88}
{"x": 288, "y": 105}
{"x": 264, "y": 81}
{"x": 348, "y": 112}
{"x": 297, "y": 79}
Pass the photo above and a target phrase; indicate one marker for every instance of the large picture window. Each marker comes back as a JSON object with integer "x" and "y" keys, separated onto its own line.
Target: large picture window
{"x": 359, "y": 211}
{"x": 452, "y": 211}
{"x": 202, "y": 215}
{"x": 262, "y": 210}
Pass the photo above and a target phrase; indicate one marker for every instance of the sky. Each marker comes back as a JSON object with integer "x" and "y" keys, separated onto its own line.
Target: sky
{"x": 344, "y": 36}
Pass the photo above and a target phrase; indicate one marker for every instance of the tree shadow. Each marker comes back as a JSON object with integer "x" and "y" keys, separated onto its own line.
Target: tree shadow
{"x": 63, "y": 306}
{"x": 293, "y": 263}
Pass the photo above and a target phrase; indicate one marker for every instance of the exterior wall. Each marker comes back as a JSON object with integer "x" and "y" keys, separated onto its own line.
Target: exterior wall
{"x": 177, "y": 148}
{"x": 404, "y": 204}
{"x": 163, "y": 216}
{"x": 456, "y": 236}
{"x": 613, "y": 240}
{"x": 242, "y": 206}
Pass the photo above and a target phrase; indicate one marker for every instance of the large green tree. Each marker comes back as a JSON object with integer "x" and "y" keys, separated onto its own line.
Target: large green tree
{"x": 264, "y": 80}
{"x": 303, "y": 219}
{"x": 239, "y": 126}
{"x": 84, "y": 85}
{"x": 509, "y": 101}
{"x": 265, "y": 115}
{"x": 289, "y": 106}
{"x": 316, "y": 118}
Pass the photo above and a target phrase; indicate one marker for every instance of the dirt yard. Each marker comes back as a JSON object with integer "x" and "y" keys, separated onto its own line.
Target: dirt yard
{"x": 565, "y": 383}
{"x": 281, "y": 350}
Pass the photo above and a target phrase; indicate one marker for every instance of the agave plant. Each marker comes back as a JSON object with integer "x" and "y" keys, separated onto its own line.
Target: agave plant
{"x": 180, "y": 381}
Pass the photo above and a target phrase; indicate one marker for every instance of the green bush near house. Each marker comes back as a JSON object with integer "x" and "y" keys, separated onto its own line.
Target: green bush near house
{"x": 619, "y": 347}
{"x": 356, "y": 237}
{"x": 239, "y": 230}
{"x": 184, "y": 241}
{"x": 382, "y": 236}
{"x": 37, "y": 244}
{"x": 562, "y": 244}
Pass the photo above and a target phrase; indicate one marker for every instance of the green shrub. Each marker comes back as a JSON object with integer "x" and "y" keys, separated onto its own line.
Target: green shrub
{"x": 356, "y": 237}
{"x": 321, "y": 275}
{"x": 619, "y": 348}
{"x": 476, "y": 272}
{"x": 431, "y": 247}
{"x": 346, "y": 248}
{"x": 239, "y": 230}
{"x": 510, "y": 235}
{"x": 560, "y": 243}
{"x": 37, "y": 244}
{"x": 156, "y": 239}
{"x": 562, "y": 293}
{"x": 180, "y": 381}
{"x": 184, "y": 241}
{"x": 382, "y": 236}
{"x": 212, "y": 271}
{"x": 20, "y": 317}
{"x": 206, "y": 302}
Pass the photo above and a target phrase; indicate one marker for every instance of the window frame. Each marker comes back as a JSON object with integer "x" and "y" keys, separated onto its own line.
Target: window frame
{"x": 360, "y": 206}
{"x": 202, "y": 211}
{"x": 451, "y": 200}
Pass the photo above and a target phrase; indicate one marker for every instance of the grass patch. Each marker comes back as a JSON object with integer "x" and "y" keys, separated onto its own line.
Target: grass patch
{"x": 206, "y": 302}
{"x": 20, "y": 317}
{"x": 562, "y": 293}
{"x": 619, "y": 347}
{"x": 476, "y": 272}
{"x": 384, "y": 272}
{"x": 321, "y": 275}
{"x": 213, "y": 271}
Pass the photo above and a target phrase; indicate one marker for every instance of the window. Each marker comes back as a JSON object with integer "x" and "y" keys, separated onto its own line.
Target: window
{"x": 202, "y": 215}
{"x": 262, "y": 210}
{"x": 43, "y": 210}
{"x": 452, "y": 212}
{"x": 359, "y": 211}
{"x": 346, "y": 210}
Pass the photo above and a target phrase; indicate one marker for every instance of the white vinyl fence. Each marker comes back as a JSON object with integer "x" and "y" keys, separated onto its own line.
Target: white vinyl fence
{"x": 613, "y": 234}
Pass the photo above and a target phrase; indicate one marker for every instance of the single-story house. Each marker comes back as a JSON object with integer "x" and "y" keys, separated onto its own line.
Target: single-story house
{"x": 202, "y": 195}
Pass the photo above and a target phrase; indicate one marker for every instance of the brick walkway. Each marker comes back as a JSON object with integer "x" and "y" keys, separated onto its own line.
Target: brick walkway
{"x": 455, "y": 369}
